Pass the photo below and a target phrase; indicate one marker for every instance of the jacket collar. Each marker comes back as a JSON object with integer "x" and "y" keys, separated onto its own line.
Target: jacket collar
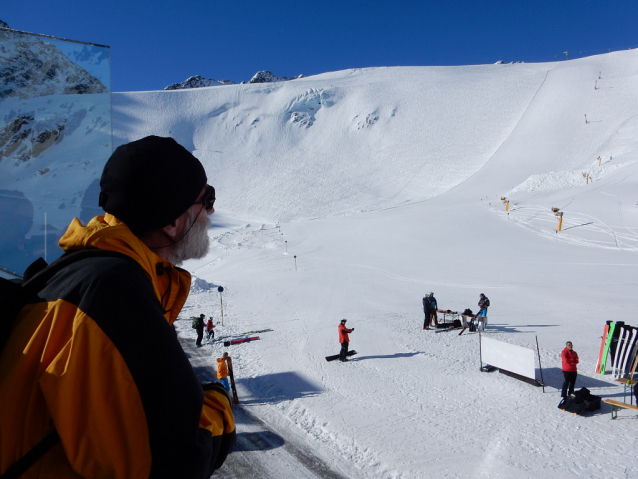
{"x": 171, "y": 283}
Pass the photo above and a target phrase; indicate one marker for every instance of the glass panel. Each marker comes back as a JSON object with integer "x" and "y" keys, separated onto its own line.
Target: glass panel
{"x": 55, "y": 137}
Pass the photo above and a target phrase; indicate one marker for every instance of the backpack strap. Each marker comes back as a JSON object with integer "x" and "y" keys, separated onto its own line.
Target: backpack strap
{"x": 36, "y": 277}
{"x": 31, "y": 457}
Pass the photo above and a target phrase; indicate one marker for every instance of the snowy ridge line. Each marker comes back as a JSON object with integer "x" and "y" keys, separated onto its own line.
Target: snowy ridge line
{"x": 555, "y": 180}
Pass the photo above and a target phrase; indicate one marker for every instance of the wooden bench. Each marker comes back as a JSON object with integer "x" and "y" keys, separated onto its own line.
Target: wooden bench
{"x": 616, "y": 405}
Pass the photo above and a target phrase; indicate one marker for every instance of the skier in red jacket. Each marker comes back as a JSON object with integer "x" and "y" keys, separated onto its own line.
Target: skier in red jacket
{"x": 570, "y": 360}
{"x": 344, "y": 339}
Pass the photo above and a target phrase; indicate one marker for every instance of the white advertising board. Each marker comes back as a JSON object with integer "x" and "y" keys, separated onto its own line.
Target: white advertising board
{"x": 510, "y": 357}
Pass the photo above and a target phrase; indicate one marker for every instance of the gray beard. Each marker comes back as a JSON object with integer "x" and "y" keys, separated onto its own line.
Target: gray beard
{"x": 195, "y": 244}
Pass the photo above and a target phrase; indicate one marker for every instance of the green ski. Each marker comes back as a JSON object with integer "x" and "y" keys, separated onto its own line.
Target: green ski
{"x": 610, "y": 334}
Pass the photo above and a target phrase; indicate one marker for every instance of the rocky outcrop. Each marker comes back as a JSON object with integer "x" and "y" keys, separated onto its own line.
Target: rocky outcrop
{"x": 268, "y": 77}
{"x": 198, "y": 81}
{"x": 31, "y": 67}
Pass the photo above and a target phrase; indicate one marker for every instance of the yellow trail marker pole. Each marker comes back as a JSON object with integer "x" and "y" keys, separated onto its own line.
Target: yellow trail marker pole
{"x": 507, "y": 205}
{"x": 560, "y": 221}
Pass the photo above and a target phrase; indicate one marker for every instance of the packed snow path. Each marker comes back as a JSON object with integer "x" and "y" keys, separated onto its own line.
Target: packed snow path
{"x": 259, "y": 452}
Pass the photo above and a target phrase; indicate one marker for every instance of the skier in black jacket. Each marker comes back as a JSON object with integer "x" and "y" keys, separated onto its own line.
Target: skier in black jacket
{"x": 200, "y": 330}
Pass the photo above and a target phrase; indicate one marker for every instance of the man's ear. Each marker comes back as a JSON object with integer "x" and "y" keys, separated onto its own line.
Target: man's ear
{"x": 170, "y": 230}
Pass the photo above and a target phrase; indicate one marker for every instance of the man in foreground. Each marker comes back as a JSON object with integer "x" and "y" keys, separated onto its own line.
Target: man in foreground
{"x": 96, "y": 360}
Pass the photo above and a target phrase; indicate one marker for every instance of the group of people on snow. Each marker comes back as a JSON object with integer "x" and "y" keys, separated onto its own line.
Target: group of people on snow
{"x": 430, "y": 309}
{"x": 200, "y": 325}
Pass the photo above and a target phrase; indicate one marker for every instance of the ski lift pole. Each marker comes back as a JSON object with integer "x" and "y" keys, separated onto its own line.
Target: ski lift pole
{"x": 221, "y": 302}
{"x": 539, "y": 364}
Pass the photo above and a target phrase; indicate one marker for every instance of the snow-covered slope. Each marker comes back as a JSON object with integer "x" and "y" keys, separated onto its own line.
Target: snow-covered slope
{"x": 339, "y": 142}
{"x": 353, "y": 193}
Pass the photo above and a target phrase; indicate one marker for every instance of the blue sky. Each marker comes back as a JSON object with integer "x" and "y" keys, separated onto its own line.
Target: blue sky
{"x": 155, "y": 43}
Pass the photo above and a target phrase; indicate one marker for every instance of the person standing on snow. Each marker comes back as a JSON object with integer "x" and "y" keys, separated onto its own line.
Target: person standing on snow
{"x": 209, "y": 329}
{"x": 93, "y": 369}
{"x": 427, "y": 308}
{"x": 481, "y": 316}
{"x": 570, "y": 360}
{"x": 433, "y": 307}
{"x": 344, "y": 339}
{"x": 200, "y": 330}
{"x": 222, "y": 371}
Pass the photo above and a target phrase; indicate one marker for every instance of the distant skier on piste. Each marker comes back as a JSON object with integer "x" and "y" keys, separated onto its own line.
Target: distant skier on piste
{"x": 344, "y": 339}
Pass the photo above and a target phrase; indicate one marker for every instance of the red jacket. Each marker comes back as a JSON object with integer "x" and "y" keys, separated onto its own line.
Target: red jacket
{"x": 570, "y": 360}
{"x": 343, "y": 333}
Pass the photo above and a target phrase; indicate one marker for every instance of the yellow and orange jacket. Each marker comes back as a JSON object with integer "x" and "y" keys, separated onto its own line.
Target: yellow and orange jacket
{"x": 97, "y": 359}
{"x": 222, "y": 368}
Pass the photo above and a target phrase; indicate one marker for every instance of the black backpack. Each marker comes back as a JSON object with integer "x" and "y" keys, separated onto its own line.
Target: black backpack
{"x": 15, "y": 295}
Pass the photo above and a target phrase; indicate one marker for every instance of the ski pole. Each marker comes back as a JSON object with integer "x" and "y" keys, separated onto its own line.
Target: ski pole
{"x": 539, "y": 364}
{"x": 480, "y": 354}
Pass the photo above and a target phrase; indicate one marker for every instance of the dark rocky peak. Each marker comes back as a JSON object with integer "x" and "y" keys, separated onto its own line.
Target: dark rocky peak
{"x": 4, "y": 25}
{"x": 198, "y": 81}
{"x": 268, "y": 77}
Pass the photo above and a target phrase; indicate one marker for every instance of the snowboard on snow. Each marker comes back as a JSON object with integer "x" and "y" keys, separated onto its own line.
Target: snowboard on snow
{"x": 336, "y": 356}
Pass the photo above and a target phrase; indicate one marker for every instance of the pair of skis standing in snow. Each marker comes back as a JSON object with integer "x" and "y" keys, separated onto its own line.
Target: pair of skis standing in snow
{"x": 620, "y": 344}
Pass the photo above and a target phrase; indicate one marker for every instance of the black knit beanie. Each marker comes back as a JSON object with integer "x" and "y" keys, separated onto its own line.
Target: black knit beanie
{"x": 151, "y": 182}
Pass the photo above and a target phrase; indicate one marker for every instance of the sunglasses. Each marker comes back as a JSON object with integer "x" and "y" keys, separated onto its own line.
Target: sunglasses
{"x": 208, "y": 200}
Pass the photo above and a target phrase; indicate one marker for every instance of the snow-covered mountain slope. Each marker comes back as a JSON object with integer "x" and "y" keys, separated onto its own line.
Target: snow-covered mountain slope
{"x": 385, "y": 184}
{"x": 351, "y": 194}
{"x": 339, "y": 142}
